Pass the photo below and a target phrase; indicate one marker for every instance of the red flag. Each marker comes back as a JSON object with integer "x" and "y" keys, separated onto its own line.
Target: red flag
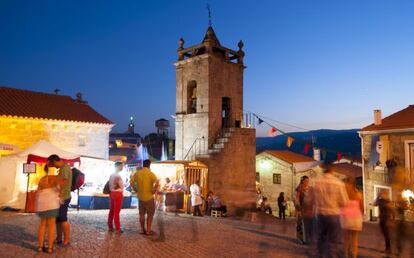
{"x": 272, "y": 132}
{"x": 338, "y": 156}
{"x": 306, "y": 148}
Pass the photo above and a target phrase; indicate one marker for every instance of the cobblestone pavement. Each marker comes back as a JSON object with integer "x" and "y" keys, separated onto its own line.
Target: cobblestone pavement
{"x": 176, "y": 236}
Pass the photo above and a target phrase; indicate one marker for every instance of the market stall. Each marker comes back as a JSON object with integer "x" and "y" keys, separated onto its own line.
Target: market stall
{"x": 97, "y": 172}
{"x": 17, "y": 186}
{"x": 182, "y": 175}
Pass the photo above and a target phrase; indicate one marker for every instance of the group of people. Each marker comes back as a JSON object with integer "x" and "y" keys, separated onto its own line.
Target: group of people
{"x": 212, "y": 201}
{"x": 54, "y": 196}
{"x": 329, "y": 205}
{"x": 52, "y": 202}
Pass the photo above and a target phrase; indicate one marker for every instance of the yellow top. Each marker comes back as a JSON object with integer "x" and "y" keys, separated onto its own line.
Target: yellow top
{"x": 146, "y": 181}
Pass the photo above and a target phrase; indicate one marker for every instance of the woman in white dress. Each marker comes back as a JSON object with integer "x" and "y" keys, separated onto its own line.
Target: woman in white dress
{"x": 196, "y": 200}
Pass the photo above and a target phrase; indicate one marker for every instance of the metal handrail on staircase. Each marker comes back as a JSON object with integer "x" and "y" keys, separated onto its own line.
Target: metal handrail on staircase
{"x": 197, "y": 148}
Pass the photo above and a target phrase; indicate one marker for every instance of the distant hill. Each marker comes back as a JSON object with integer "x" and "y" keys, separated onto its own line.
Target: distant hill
{"x": 344, "y": 141}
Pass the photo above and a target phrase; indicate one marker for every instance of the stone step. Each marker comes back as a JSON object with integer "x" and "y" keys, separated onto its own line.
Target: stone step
{"x": 218, "y": 146}
{"x": 227, "y": 135}
{"x": 203, "y": 156}
{"x": 222, "y": 140}
{"x": 213, "y": 151}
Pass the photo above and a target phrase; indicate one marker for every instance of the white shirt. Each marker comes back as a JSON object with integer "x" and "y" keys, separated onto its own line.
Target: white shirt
{"x": 116, "y": 179}
{"x": 195, "y": 195}
{"x": 329, "y": 195}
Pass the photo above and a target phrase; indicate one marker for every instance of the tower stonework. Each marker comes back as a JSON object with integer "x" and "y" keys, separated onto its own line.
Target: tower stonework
{"x": 209, "y": 118}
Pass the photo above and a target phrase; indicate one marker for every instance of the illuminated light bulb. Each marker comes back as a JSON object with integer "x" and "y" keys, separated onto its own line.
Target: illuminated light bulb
{"x": 407, "y": 194}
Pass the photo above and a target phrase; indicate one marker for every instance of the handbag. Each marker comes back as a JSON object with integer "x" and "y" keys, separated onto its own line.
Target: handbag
{"x": 106, "y": 189}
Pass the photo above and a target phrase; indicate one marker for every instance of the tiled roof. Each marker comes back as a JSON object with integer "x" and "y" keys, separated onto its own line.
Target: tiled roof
{"x": 289, "y": 156}
{"x": 353, "y": 158}
{"x": 400, "y": 120}
{"x": 30, "y": 104}
{"x": 347, "y": 169}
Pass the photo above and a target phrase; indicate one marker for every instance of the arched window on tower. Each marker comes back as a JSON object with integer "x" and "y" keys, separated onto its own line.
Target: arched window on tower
{"x": 191, "y": 97}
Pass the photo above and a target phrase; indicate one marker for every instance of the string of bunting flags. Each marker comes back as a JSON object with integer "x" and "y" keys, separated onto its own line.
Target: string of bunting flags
{"x": 290, "y": 140}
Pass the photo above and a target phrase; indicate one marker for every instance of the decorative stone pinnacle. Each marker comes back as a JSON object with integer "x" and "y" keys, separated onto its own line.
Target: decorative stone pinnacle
{"x": 240, "y": 45}
{"x": 181, "y": 43}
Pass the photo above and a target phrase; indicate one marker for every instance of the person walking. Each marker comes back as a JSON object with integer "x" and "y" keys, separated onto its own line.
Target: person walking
{"x": 196, "y": 200}
{"x": 47, "y": 208}
{"x": 351, "y": 219}
{"x": 281, "y": 203}
{"x": 330, "y": 196}
{"x": 116, "y": 188}
{"x": 148, "y": 184}
{"x": 65, "y": 175}
{"x": 301, "y": 190}
{"x": 386, "y": 218}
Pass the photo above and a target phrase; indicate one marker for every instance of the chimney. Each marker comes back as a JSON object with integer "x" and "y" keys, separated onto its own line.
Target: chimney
{"x": 316, "y": 154}
{"x": 377, "y": 117}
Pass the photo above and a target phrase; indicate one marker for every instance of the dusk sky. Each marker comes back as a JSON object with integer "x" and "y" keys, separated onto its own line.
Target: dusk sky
{"x": 314, "y": 64}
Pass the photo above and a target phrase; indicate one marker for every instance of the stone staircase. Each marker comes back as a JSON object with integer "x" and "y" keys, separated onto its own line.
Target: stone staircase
{"x": 218, "y": 145}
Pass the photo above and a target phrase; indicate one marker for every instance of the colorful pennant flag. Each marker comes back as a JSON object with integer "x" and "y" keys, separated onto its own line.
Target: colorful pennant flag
{"x": 338, "y": 156}
{"x": 289, "y": 141}
{"x": 260, "y": 121}
{"x": 306, "y": 148}
{"x": 272, "y": 132}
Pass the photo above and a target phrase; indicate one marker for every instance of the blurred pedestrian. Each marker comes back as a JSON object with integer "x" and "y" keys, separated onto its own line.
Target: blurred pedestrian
{"x": 301, "y": 190}
{"x": 147, "y": 186}
{"x": 351, "y": 219}
{"x": 47, "y": 208}
{"x": 308, "y": 216}
{"x": 386, "y": 218}
{"x": 65, "y": 176}
{"x": 281, "y": 203}
{"x": 116, "y": 187}
{"x": 265, "y": 206}
{"x": 196, "y": 200}
{"x": 329, "y": 196}
{"x": 402, "y": 229}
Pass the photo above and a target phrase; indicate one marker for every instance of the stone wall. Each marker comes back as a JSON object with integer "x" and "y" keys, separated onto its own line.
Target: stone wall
{"x": 81, "y": 138}
{"x": 232, "y": 171}
{"x": 266, "y": 166}
{"x": 226, "y": 80}
{"x": 215, "y": 78}
{"x": 187, "y": 129}
{"x": 379, "y": 176}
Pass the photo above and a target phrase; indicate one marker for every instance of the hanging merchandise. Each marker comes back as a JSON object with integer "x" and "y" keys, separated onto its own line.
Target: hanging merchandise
{"x": 289, "y": 141}
{"x": 306, "y": 148}
{"x": 272, "y": 132}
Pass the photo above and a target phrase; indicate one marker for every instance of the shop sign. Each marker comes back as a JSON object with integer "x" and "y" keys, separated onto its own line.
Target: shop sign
{"x": 29, "y": 168}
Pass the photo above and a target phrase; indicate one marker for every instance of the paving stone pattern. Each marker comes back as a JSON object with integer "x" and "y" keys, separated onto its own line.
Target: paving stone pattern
{"x": 176, "y": 236}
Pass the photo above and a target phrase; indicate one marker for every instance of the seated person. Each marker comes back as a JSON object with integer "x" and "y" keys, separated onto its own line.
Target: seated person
{"x": 168, "y": 186}
{"x": 265, "y": 206}
{"x": 179, "y": 186}
{"x": 217, "y": 205}
{"x": 209, "y": 202}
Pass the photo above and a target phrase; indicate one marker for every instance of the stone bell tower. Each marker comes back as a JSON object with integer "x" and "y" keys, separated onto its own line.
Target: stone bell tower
{"x": 209, "y": 123}
{"x": 209, "y": 93}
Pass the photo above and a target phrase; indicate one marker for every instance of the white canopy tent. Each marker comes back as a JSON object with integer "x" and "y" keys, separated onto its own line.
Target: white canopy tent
{"x": 13, "y": 181}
